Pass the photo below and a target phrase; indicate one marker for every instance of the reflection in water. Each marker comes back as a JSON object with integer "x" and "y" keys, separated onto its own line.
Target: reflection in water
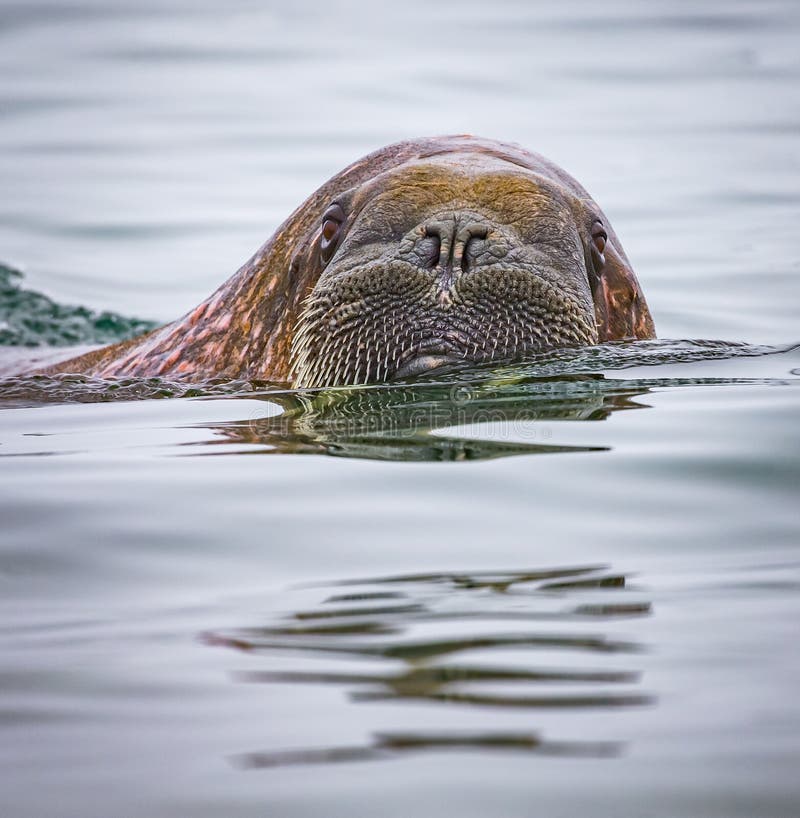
{"x": 410, "y": 422}
{"x": 446, "y": 664}
{"x": 474, "y": 413}
{"x": 386, "y": 746}
{"x": 403, "y": 422}
{"x": 35, "y": 389}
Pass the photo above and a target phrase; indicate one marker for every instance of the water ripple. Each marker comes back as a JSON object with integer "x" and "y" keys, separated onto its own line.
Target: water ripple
{"x": 452, "y": 670}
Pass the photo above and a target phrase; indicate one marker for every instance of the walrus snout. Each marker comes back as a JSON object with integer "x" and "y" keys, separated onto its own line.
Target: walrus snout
{"x": 390, "y": 319}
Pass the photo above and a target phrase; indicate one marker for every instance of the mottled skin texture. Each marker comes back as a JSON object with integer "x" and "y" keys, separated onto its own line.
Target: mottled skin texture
{"x": 450, "y": 247}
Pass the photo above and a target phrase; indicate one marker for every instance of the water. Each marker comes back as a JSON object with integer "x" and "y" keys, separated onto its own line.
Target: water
{"x": 565, "y": 587}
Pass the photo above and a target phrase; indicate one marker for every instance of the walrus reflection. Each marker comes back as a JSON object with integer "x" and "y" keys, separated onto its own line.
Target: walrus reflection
{"x": 405, "y": 423}
{"x": 488, "y": 641}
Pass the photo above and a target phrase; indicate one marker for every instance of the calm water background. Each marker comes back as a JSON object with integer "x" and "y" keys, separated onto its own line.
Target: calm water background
{"x": 175, "y": 637}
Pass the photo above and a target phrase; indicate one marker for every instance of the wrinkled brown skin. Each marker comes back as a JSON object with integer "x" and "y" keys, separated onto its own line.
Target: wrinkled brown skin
{"x": 245, "y": 328}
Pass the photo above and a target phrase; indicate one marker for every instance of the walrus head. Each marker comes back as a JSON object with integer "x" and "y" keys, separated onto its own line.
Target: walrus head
{"x": 423, "y": 253}
{"x": 459, "y": 257}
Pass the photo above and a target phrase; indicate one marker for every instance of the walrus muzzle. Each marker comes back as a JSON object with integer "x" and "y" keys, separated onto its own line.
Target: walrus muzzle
{"x": 392, "y": 319}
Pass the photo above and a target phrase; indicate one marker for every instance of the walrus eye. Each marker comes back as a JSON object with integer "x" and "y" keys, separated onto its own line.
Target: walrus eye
{"x": 599, "y": 239}
{"x": 332, "y": 222}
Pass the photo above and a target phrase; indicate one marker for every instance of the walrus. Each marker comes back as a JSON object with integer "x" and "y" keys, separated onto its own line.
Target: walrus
{"x": 424, "y": 253}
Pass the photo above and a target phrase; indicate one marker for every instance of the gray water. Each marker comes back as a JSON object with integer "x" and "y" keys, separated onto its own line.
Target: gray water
{"x": 564, "y": 588}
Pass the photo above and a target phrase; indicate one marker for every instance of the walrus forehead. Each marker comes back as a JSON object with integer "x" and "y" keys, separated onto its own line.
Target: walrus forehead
{"x": 394, "y": 201}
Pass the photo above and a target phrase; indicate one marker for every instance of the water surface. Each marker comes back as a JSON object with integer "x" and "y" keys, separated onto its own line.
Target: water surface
{"x": 565, "y": 587}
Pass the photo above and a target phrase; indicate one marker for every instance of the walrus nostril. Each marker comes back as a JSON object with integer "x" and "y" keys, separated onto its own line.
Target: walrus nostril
{"x": 431, "y": 246}
{"x": 471, "y": 231}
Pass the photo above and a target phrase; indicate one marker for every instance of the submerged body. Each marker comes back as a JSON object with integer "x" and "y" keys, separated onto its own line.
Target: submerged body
{"x": 423, "y": 253}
